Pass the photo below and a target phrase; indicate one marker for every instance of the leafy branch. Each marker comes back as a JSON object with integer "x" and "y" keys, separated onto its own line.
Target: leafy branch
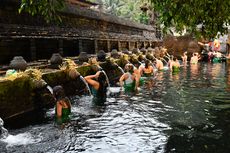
{"x": 212, "y": 16}
{"x": 46, "y": 8}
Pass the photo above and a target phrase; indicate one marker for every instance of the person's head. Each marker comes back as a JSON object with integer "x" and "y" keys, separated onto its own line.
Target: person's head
{"x": 129, "y": 67}
{"x": 174, "y": 59}
{"x": 147, "y": 63}
{"x": 136, "y": 63}
{"x": 154, "y": 61}
{"x": 59, "y": 92}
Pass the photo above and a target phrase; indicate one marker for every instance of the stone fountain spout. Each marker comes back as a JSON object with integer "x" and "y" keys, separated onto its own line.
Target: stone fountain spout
{"x": 86, "y": 84}
{"x": 3, "y": 131}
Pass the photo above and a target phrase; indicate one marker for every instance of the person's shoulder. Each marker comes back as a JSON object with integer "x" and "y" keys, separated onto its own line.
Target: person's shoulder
{"x": 63, "y": 100}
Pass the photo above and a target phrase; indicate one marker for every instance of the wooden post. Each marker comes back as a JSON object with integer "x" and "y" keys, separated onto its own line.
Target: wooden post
{"x": 32, "y": 49}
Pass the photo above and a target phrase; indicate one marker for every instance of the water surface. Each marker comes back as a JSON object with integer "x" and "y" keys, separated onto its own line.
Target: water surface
{"x": 179, "y": 113}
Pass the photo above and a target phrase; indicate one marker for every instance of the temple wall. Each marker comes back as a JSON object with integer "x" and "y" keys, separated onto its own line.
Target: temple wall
{"x": 82, "y": 30}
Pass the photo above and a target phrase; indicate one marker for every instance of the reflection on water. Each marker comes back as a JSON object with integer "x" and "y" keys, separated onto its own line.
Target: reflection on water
{"x": 185, "y": 112}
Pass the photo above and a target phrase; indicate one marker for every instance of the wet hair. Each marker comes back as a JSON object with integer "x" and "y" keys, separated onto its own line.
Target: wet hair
{"x": 59, "y": 92}
{"x": 147, "y": 62}
{"x": 129, "y": 68}
{"x": 174, "y": 58}
{"x": 103, "y": 84}
{"x": 136, "y": 63}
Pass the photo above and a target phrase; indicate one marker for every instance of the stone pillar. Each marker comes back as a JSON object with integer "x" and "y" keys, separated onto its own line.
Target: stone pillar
{"x": 129, "y": 45}
{"x": 80, "y": 45}
{"x": 139, "y": 44}
{"x": 60, "y": 47}
{"x": 135, "y": 44}
{"x": 96, "y": 45}
{"x": 119, "y": 46}
{"x": 145, "y": 44}
{"x": 32, "y": 49}
{"x": 108, "y": 46}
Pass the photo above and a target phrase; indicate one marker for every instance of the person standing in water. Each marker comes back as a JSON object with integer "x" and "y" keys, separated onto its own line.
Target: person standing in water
{"x": 195, "y": 58}
{"x": 146, "y": 70}
{"x": 63, "y": 105}
{"x": 99, "y": 84}
{"x": 129, "y": 80}
{"x": 184, "y": 57}
{"x": 175, "y": 65}
{"x": 159, "y": 65}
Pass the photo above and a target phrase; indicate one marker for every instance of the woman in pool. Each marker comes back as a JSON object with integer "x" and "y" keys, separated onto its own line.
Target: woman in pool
{"x": 175, "y": 65}
{"x": 184, "y": 57}
{"x": 129, "y": 80}
{"x": 195, "y": 58}
{"x": 63, "y": 105}
{"x": 159, "y": 65}
{"x": 146, "y": 70}
{"x": 99, "y": 85}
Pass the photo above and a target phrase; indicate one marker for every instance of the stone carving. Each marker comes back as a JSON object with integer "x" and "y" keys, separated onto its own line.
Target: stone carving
{"x": 18, "y": 63}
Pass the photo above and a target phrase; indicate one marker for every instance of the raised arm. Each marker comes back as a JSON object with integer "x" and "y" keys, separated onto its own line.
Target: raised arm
{"x": 90, "y": 81}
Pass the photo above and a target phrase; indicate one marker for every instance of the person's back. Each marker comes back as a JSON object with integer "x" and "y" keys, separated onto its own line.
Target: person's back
{"x": 63, "y": 106}
{"x": 159, "y": 65}
{"x": 194, "y": 59}
{"x": 66, "y": 111}
{"x": 147, "y": 69}
{"x": 184, "y": 57}
{"x": 175, "y": 65}
{"x": 99, "y": 84}
{"x": 129, "y": 80}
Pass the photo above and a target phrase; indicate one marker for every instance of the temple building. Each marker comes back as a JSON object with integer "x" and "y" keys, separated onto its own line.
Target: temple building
{"x": 82, "y": 30}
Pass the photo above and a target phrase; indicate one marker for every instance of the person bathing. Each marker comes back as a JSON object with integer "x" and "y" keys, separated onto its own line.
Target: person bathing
{"x": 99, "y": 84}
{"x": 63, "y": 106}
{"x": 129, "y": 80}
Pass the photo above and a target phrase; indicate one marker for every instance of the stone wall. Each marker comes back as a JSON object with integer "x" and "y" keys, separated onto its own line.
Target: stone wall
{"x": 82, "y": 30}
{"x": 178, "y": 45}
{"x": 22, "y": 95}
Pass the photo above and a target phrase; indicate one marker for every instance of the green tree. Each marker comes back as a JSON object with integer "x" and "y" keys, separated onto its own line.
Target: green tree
{"x": 212, "y": 16}
{"x": 129, "y": 9}
{"x": 46, "y": 8}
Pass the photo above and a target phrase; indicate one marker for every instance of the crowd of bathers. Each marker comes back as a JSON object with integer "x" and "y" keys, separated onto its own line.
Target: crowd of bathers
{"x": 135, "y": 70}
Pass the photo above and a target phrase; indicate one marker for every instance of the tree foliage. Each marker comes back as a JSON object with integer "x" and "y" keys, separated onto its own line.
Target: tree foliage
{"x": 46, "y": 8}
{"x": 212, "y": 16}
{"x": 129, "y": 9}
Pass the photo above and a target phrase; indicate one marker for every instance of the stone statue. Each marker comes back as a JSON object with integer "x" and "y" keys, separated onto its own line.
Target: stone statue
{"x": 3, "y": 131}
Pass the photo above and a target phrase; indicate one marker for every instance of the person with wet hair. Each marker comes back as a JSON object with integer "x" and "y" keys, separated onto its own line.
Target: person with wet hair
{"x": 146, "y": 70}
{"x": 195, "y": 58}
{"x": 99, "y": 84}
{"x": 175, "y": 65}
{"x": 63, "y": 105}
{"x": 159, "y": 64}
{"x": 184, "y": 57}
{"x": 129, "y": 80}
